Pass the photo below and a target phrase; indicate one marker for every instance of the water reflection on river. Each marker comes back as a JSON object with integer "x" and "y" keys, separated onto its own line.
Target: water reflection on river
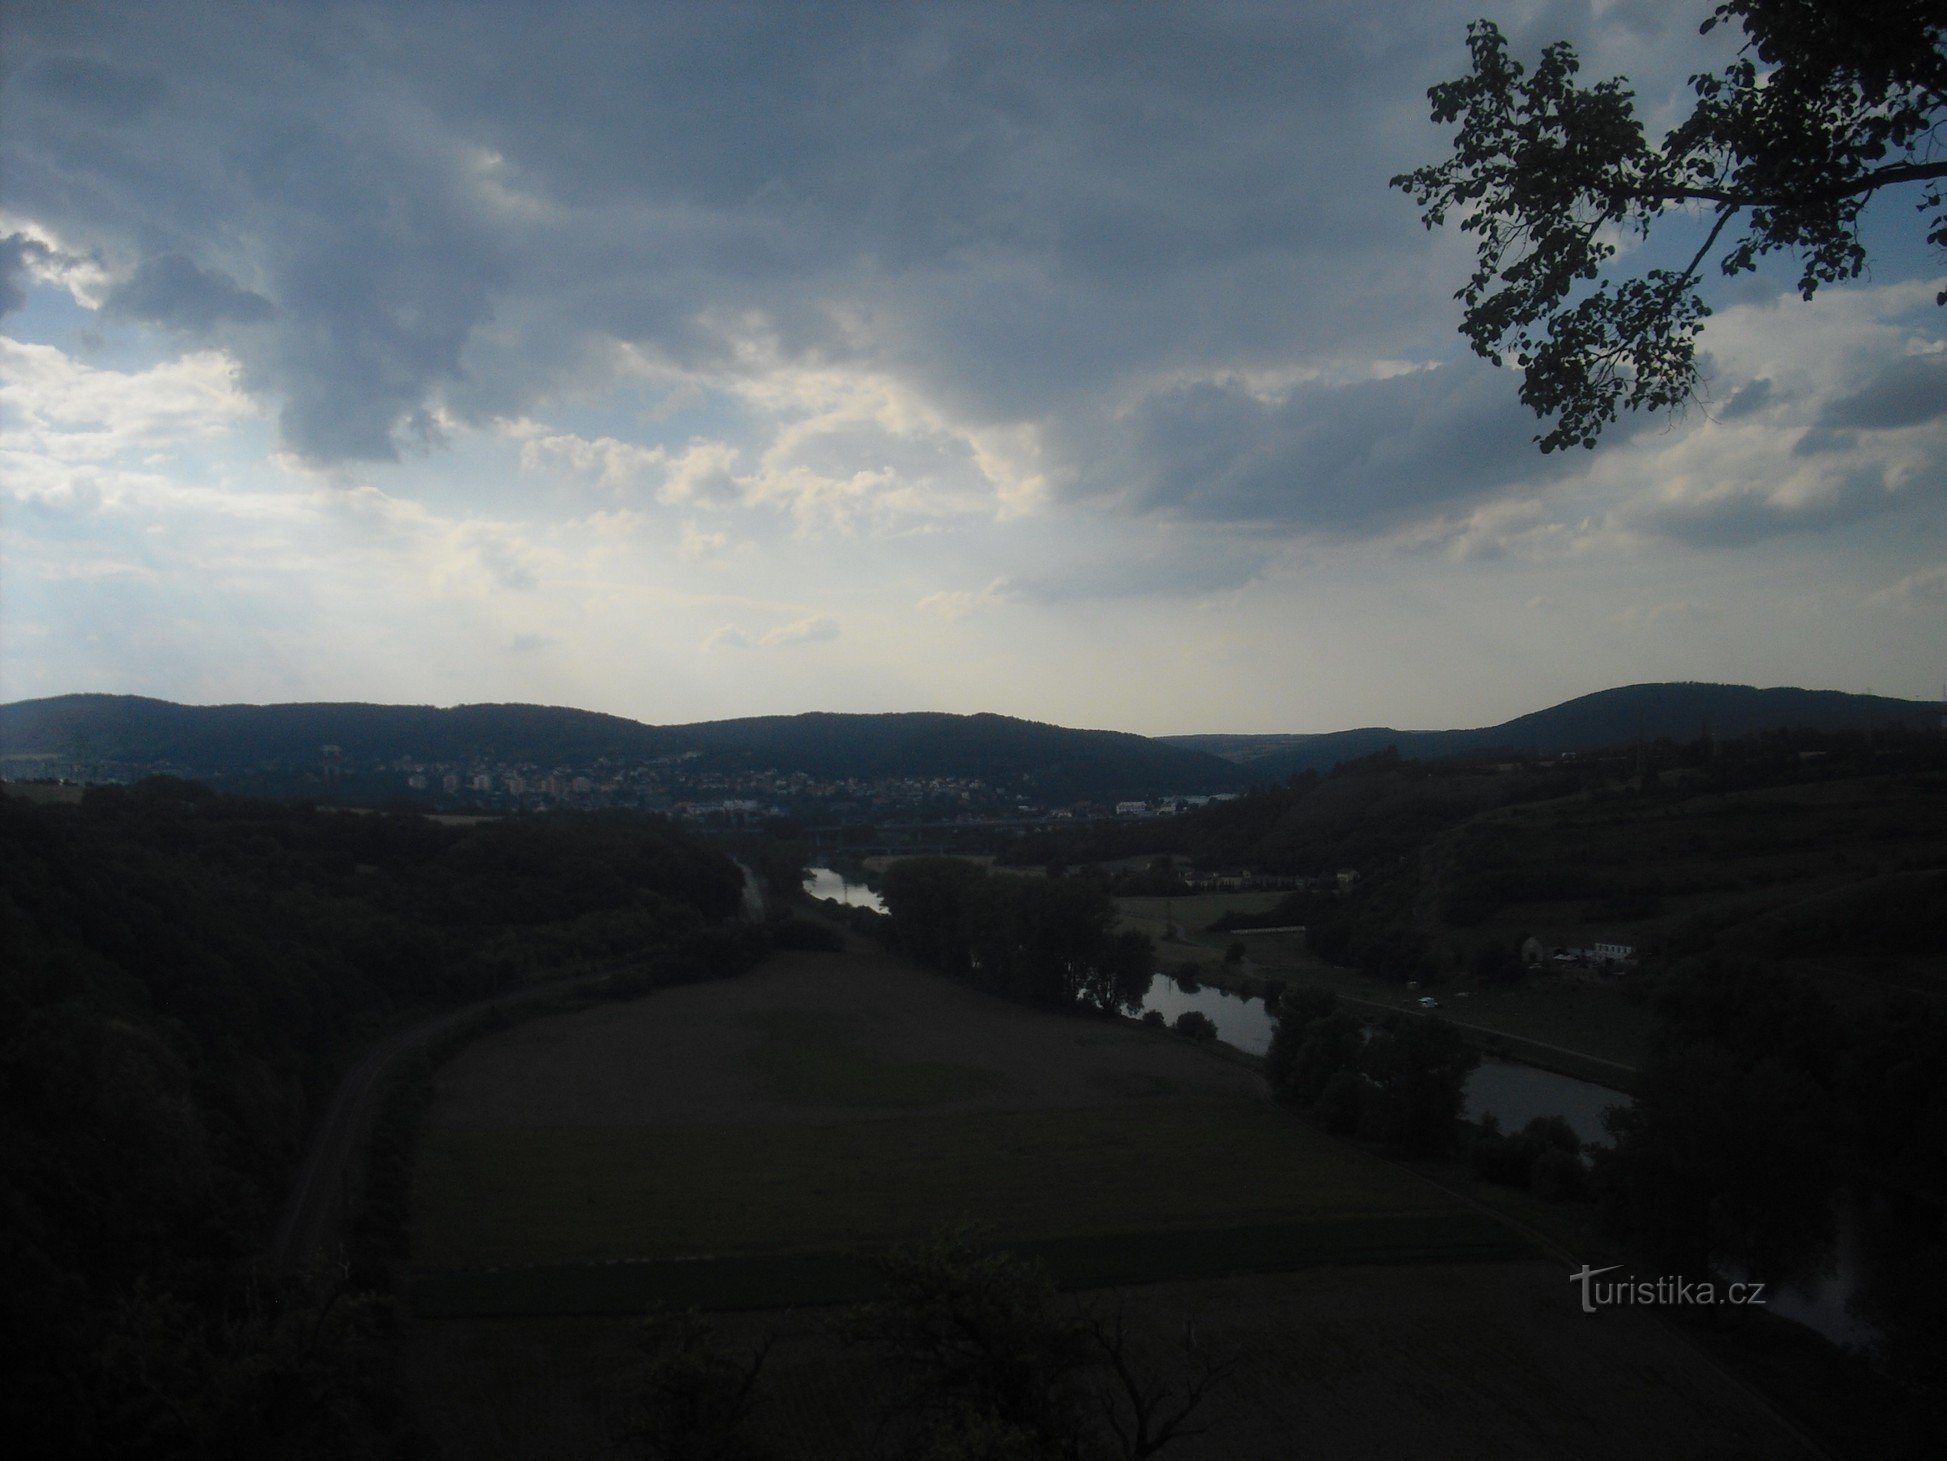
{"x": 1515, "y": 1094}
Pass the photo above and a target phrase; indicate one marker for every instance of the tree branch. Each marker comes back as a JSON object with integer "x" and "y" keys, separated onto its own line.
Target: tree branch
{"x": 1885, "y": 177}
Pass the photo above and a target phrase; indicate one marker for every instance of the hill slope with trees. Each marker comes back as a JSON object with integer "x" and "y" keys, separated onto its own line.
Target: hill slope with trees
{"x": 1676, "y": 711}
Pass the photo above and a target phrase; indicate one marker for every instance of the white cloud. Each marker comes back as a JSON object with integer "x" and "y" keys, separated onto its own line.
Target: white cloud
{"x": 704, "y": 476}
{"x": 614, "y": 466}
{"x": 68, "y": 411}
{"x": 701, "y": 547}
{"x": 957, "y": 604}
{"x": 1925, "y": 589}
{"x": 809, "y": 630}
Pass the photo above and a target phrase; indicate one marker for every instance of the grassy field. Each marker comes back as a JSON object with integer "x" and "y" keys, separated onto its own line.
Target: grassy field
{"x": 1076, "y": 1261}
{"x": 747, "y": 1145}
{"x": 807, "y": 1058}
{"x": 501, "y": 1197}
{"x": 1192, "y": 915}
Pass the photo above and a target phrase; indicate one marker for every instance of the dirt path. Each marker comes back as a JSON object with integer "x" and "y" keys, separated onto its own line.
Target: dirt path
{"x": 317, "y": 1205}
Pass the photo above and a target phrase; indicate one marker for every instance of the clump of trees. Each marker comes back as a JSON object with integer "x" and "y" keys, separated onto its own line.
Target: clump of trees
{"x": 1401, "y": 1082}
{"x": 1042, "y": 941}
{"x": 1545, "y": 1157}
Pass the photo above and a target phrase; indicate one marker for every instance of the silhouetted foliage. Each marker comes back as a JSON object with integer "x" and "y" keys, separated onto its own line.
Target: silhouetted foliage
{"x": 1824, "y": 106}
{"x": 692, "y": 1397}
{"x": 991, "y": 1362}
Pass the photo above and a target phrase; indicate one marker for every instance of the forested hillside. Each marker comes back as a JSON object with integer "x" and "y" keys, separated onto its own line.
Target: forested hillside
{"x": 185, "y": 976}
{"x": 1628, "y": 714}
{"x": 260, "y": 744}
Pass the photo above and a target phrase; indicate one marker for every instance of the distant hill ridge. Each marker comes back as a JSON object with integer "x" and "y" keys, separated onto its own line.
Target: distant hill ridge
{"x": 242, "y": 739}
{"x": 1678, "y": 710}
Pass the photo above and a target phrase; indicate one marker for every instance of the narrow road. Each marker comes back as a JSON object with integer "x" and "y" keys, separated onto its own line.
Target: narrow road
{"x": 1490, "y": 1030}
{"x": 311, "y": 1229}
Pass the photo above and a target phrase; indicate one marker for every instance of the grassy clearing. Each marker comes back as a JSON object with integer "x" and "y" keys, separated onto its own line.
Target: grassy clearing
{"x": 1193, "y": 914}
{"x": 1076, "y": 1261}
{"x": 546, "y": 1196}
{"x": 807, "y": 1059}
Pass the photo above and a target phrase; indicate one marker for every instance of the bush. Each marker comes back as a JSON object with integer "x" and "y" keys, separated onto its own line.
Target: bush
{"x": 1155, "y": 1018}
{"x": 1196, "y": 1025}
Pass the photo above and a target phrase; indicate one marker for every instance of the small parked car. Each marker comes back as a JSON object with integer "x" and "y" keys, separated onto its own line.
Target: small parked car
{"x": 1428, "y": 1002}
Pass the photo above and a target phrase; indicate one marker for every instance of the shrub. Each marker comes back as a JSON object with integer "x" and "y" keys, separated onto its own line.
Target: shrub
{"x": 1196, "y": 1025}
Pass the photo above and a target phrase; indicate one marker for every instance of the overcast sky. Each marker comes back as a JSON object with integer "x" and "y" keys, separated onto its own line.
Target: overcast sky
{"x": 1072, "y": 361}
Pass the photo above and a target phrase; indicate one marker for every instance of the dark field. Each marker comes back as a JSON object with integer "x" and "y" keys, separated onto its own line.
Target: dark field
{"x": 743, "y": 1146}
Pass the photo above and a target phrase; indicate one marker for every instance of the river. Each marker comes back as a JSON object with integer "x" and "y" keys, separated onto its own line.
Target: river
{"x": 1513, "y": 1094}
{"x": 1516, "y": 1094}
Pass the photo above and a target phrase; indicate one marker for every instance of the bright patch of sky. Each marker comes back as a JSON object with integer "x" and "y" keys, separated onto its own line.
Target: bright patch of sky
{"x": 1068, "y": 361}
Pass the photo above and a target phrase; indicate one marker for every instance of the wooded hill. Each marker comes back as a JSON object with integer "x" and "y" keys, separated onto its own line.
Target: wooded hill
{"x": 1054, "y": 763}
{"x": 1676, "y": 711}
{"x": 231, "y": 740}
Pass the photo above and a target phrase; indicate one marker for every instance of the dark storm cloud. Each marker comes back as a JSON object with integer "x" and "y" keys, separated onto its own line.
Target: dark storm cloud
{"x": 1338, "y": 459}
{"x": 1022, "y": 212}
{"x": 97, "y": 89}
{"x": 170, "y": 290}
{"x": 1910, "y": 392}
{"x": 1748, "y": 399}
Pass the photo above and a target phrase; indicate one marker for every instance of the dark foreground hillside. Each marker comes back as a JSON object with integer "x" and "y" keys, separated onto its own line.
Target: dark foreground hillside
{"x": 184, "y": 977}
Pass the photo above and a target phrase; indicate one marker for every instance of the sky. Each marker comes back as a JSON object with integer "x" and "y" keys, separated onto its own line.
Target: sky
{"x": 1069, "y": 361}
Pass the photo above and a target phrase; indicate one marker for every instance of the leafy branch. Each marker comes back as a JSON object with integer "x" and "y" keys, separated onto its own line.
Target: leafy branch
{"x": 1825, "y": 107}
